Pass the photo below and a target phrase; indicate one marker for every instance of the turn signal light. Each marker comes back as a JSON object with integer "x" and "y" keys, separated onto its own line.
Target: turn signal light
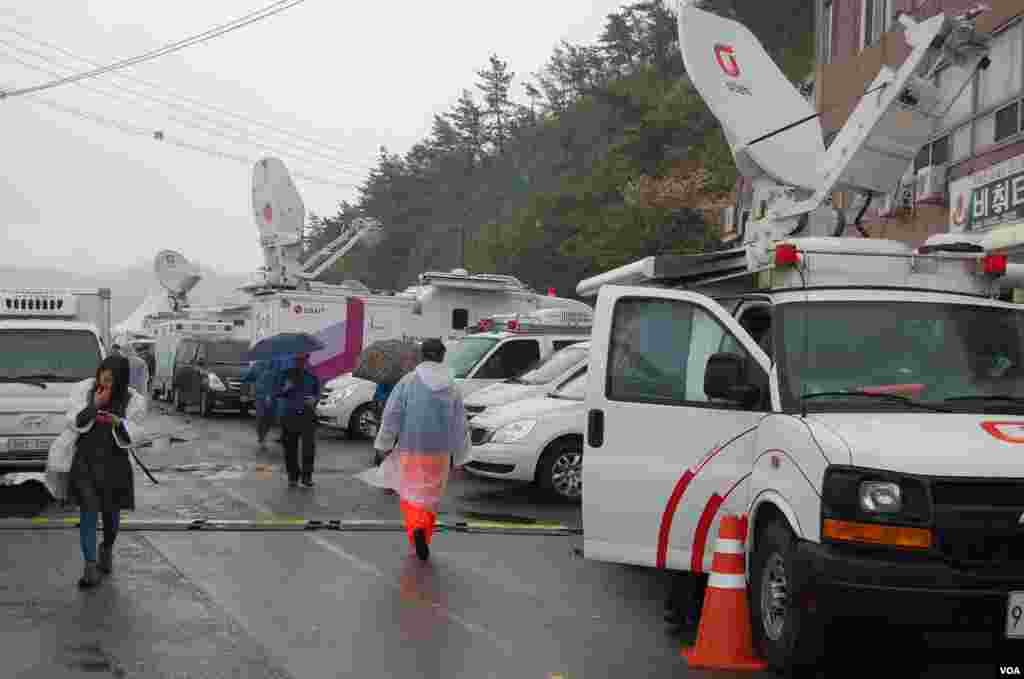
{"x": 786, "y": 254}
{"x": 994, "y": 265}
{"x": 875, "y": 534}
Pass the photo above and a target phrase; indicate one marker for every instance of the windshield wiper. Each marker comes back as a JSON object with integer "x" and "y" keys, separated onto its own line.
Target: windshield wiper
{"x": 23, "y": 380}
{"x": 895, "y": 398}
{"x": 1008, "y": 398}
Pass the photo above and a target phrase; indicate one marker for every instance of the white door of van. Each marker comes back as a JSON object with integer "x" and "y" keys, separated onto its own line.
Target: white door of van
{"x": 658, "y": 449}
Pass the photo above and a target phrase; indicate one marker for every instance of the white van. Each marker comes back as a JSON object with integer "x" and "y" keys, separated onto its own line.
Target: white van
{"x": 860, "y": 401}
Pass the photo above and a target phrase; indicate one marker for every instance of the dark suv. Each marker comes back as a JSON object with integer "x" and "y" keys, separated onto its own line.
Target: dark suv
{"x": 207, "y": 373}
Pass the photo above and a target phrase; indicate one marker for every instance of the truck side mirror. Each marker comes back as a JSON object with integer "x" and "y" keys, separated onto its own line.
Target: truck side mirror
{"x": 725, "y": 378}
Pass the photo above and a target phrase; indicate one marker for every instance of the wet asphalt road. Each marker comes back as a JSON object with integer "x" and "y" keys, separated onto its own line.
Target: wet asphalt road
{"x": 330, "y": 604}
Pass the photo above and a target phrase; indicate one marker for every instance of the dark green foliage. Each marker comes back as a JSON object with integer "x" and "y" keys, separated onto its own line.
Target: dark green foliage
{"x": 552, "y": 191}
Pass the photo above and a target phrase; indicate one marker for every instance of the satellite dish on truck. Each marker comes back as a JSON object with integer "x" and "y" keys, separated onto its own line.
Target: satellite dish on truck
{"x": 279, "y": 213}
{"x": 276, "y": 203}
{"x": 177, "y": 275}
{"x": 751, "y": 97}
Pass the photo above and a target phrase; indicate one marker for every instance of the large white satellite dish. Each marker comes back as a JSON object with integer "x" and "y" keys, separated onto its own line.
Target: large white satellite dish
{"x": 176, "y": 274}
{"x": 751, "y": 97}
{"x": 277, "y": 206}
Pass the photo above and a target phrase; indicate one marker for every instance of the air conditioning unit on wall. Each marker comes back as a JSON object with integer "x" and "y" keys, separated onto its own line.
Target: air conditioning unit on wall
{"x": 900, "y": 199}
{"x": 931, "y": 185}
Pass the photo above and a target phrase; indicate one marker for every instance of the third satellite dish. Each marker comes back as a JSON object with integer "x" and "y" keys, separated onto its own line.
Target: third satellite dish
{"x": 276, "y": 203}
{"x": 175, "y": 273}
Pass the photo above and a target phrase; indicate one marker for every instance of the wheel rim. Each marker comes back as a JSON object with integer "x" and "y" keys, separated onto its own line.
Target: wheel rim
{"x": 368, "y": 424}
{"x": 774, "y": 597}
{"x": 567, "y": 474}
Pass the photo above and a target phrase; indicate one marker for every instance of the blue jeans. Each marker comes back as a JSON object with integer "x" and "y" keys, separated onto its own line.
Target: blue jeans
{"x": 87, "y": 531}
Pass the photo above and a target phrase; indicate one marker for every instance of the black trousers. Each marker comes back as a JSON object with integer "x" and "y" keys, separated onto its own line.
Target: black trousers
{"x": 299, "y": 430}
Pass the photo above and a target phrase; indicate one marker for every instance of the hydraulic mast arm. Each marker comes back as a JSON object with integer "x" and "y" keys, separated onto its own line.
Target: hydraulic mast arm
{"x": 360, "y": 230}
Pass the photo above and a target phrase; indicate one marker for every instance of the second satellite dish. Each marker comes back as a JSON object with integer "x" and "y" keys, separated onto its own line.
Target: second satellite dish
{"x": 276, "y": 203}
{"x": 175, "y": 273}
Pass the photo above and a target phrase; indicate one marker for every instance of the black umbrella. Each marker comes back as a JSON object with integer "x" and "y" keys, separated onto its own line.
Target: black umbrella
{"x": 283, "y": 343}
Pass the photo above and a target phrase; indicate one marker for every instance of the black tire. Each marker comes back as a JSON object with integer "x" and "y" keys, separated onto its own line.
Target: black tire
{"x": 205, "y": 407}
{"x": 357, "y": 423}
{"x": 179, "y": 403}
{"x": 560, "y": 470}
{"x": 791, "y": 639}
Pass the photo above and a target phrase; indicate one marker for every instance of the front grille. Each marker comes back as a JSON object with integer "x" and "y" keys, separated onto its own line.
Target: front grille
{"x": 978, "y": 522}
{"x": 480, "y": 436}
{"x": 24, "y": 456}
{"x": 233, "y": 385}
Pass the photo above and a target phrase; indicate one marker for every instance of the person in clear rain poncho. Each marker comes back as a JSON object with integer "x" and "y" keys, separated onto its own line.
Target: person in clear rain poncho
{"x": 423, "y": 428}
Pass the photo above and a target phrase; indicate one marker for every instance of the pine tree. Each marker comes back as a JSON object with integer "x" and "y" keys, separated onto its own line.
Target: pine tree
{"x": 499, "y": 112}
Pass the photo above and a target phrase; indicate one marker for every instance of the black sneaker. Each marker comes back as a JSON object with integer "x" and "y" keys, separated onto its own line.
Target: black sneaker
{"x": 422, "y": 550}
{"x": 307, "y": 480}
{"x": 293, "y": 483}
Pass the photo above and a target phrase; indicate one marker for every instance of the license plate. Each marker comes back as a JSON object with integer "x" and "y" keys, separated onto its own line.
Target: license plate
{"x": 1015, "y": 616}
{"x": 28, "y": 444}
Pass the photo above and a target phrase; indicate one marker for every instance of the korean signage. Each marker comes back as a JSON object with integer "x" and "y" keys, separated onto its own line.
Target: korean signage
{"x": 988, "y": 198}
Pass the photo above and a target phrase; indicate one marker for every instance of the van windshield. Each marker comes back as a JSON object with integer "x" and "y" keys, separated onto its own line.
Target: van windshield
{"x": 227, "y": 353}
{"x": 556, "y": 365}
{"x": 899, "y": 355}
{"x": 466, "y": 353}
{"x": 48, "y": 355}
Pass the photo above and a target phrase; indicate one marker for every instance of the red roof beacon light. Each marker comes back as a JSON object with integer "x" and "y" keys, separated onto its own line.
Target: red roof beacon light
{"x": 512, "y": 325}
{"x": 786, "y": 254}
{"x": 994, "y": 264}
{"x": 551, "y": 292}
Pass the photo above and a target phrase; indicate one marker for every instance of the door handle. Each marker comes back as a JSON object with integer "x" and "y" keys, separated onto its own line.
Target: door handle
{"x": 595, "y": 428}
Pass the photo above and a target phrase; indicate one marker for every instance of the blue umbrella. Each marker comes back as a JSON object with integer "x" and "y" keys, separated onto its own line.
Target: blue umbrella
{"x": 285, "y": 343}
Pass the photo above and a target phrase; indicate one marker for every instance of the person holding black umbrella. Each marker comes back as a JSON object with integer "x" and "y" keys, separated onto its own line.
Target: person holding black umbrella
{"x": 298, "y": 390}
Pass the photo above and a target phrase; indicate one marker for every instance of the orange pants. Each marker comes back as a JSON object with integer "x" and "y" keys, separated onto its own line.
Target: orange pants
{"x": 423, "y": 478}
{"x": 417, "y": 517}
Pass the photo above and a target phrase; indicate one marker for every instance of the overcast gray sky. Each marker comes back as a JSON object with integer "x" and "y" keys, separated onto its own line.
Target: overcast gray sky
{"x": 90, "y": 197}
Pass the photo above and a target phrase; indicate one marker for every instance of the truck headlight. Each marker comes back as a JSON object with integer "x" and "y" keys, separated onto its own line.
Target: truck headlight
{"x": 880, "y": 497}
{"x": 215, "y": 383}
{"x": 513, "y": 432}
{"x": 869, "y": 506}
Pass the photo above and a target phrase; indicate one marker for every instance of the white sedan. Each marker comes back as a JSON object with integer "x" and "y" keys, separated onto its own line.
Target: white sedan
{"x": 347, "y": 404}
{"x": 537, "y": 440}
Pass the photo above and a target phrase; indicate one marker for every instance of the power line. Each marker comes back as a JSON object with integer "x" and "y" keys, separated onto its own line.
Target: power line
{"x": 176, "y": 95}
{"x": 252, "y": 17}
{"x": 137, "y": 130}
{"x": 244, "y": 137}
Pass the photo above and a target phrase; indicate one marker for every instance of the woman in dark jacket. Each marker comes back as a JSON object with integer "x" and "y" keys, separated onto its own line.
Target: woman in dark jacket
{"x": 105, "y": 412}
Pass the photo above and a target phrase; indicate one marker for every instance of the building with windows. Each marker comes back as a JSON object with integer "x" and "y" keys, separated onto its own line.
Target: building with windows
{"x": 970, "y": 177}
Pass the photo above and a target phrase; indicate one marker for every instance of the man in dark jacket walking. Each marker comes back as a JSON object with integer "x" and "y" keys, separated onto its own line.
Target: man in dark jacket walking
{"x": 298, "y": 390}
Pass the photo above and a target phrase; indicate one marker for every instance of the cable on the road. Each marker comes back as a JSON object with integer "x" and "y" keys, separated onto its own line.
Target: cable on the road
{"x": 242, "y": 137}
{"x": 160, "y": 135}
{"x": 176, "y": 95}
{"x": 252, "y": 17}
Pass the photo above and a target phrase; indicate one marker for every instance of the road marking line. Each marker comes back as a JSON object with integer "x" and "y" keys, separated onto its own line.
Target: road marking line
{"x": 368, "y": 567}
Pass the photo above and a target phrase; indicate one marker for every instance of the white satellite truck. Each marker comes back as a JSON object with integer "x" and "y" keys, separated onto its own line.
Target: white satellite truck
{"x": 49, "y": 340}
{"x": 286, "y": 297}
{"x": 860, "y": 401}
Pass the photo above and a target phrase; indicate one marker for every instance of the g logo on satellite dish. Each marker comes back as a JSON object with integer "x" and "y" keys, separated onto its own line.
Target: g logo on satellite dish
{"x": 298, "y": 308}
{"x": 1011, "y": 432}
{"x": 726, "y": 58}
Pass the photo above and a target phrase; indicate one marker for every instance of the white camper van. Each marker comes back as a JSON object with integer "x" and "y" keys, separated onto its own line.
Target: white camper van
{"x": 860, "y": 401}
{"x": 49, "y": 340}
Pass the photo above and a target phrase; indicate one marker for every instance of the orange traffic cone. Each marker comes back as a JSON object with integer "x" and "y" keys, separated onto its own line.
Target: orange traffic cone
{"x": 724, "y": 639}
